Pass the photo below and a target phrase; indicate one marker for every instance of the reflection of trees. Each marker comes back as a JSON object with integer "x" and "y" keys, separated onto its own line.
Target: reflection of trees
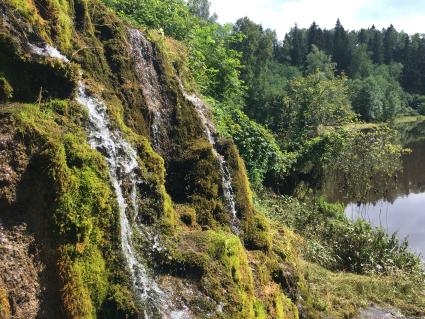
{"x": 379, "y": 188}
{"x": 412, "y": 179}
{"x": 411, "y": 132}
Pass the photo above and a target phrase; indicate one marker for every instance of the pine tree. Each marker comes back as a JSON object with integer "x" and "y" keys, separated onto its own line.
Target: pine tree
{"x": 390, "y": 42}
{"x": 298, "y": 48}
{"x": 315, "y": 37}
{"x": 341, "y": 49}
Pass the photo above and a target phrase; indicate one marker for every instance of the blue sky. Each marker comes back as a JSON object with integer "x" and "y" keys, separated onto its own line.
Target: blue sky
{"x": 281, "y": 15}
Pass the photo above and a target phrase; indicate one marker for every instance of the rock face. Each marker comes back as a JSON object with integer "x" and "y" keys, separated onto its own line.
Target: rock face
{"x": 13, "y": 161}
{"x": 115, "y": 202}
{"x": 19, "y": 271}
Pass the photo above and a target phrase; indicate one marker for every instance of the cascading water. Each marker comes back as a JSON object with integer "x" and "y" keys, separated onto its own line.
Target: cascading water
{"x": 123, "y": 165}
{"x": 211, "y": 133}
{"x": 48, "y": 51}
{"x": 143, "y": 54}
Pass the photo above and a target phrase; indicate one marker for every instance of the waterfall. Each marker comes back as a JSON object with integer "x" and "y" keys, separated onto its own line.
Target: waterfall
{"x": 123, "y": 170}
{"x": 143, "y": 55}
{"x": 211, "y": 134}
{"x": 123, "y": 165}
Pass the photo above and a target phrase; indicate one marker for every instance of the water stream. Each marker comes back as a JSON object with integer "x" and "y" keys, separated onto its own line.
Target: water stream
{"x": 123, "y": 170}
{"x": 211, "y": 134}
{"x": 123, "y": 165}
{"x": 143, "y": 54}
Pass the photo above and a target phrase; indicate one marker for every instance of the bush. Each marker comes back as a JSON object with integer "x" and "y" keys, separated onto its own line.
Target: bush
{"x": 257, "y": 146}
{"x": 337, "y": 243}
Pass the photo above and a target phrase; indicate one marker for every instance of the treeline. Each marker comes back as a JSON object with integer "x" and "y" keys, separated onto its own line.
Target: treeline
{"x": 359, "y": 54}
{"x": 386, "y": 68}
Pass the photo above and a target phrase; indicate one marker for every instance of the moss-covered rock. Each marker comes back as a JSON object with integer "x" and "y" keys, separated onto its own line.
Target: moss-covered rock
{"x": 33, "y": 79}
{"x": 82, "y": 213}
{"x": 6, "y": 90}
{"x": 187, "y": 214}
{"x": 195, "y": 178}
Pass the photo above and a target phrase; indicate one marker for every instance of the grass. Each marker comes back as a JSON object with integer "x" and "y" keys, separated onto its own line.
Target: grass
{"x": 403, "y": 119}
{"x": 341, "y": 294}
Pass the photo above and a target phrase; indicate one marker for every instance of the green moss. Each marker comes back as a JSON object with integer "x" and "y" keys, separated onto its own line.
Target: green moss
{"x": 6, "y": 90}
{"x": 34, "y": 80}
{"x": 285, "y": 309}
{"x": 221, "y": 264}
{"x": 259, "y": 310}
{"x": 187, "y": 214}
{"x": 195, "y": 178}
{"x": 254, "y": 225}
{"x": 52, "y": 19}
{"x": 29, "y": 11}
{"x": 119, "y": 304}
{"x": 84, "y": 213}
{"x": 243, "y": 193}
{"x": 61, "y": 21}
{"x": 75, "y": 295}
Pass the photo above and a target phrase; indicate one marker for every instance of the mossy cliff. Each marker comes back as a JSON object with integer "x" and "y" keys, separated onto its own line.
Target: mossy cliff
{"x": 53, "y": 182}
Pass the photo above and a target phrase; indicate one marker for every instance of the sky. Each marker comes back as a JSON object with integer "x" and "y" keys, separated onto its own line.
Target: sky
{"x": 281, "y": 15}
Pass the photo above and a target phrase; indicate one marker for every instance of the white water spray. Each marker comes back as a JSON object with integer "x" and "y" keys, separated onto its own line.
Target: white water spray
{"x": 48, "y": 51}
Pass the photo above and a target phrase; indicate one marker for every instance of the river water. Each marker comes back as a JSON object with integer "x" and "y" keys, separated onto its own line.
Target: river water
{"x": 400, "y": 207}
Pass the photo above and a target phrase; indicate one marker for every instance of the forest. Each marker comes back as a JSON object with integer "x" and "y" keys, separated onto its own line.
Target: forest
{"x": 210, "y": 152}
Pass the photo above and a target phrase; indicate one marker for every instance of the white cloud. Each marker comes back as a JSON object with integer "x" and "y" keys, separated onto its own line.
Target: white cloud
{"x": 281, "y": 15}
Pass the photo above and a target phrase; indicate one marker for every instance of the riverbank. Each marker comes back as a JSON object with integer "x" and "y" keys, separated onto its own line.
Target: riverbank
{"x": 323, "y": 238}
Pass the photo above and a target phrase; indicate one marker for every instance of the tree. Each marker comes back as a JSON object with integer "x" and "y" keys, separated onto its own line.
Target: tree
{"x": 319, "y": 61}
{"x": 361, "y": 64}
{"x": 379, "y": 97}
{"x": 341, "y": 47}
{"x": 315, "y": 36}
{"x": 297, "y": 46}
{"x": 173, "y": 16}
{"x": 376, "y": 46}
{"x": 311, "y": 103}
{"x": 200, "y": 8}
{"x": 257, "y": 49}
{"x": 390, "y": 42}
{"x": 368, "y": 99}
{"x": 214, "y": 65}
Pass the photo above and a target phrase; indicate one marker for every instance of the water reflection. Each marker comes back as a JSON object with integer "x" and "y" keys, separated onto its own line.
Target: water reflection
{"x": 405, "y": 216}
{"x": 399, "y": 206}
